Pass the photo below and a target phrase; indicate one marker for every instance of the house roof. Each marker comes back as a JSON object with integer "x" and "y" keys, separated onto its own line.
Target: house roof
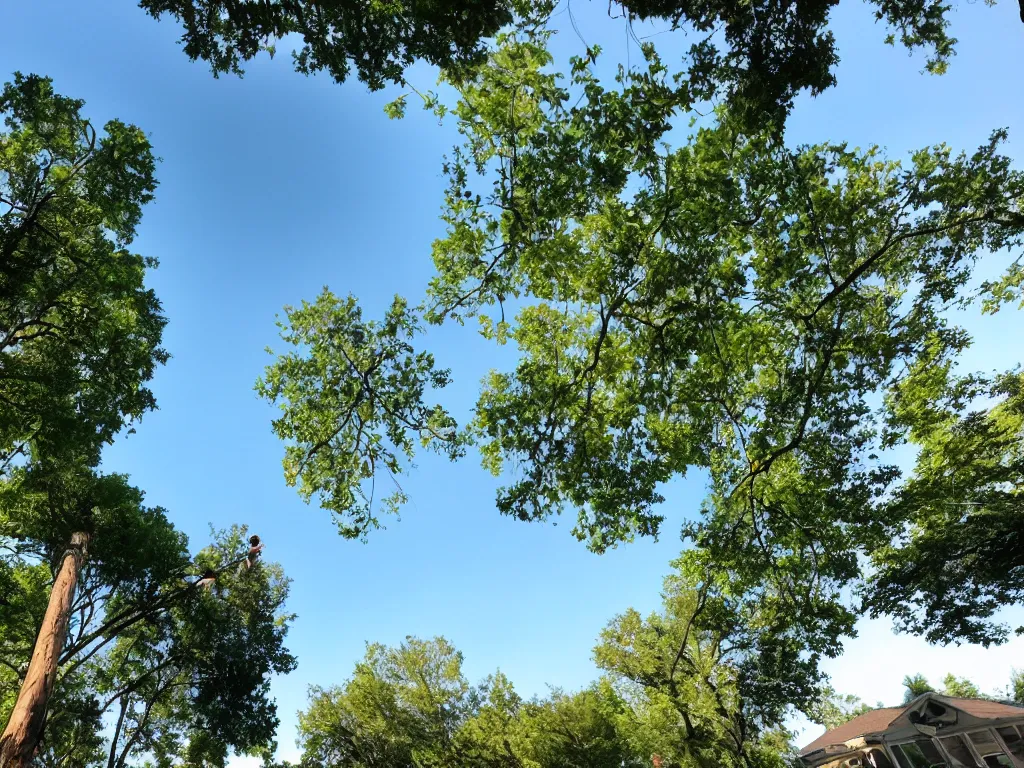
{"x": 878, "y": 720}
{"x": 984, "y": 709}
{"x": 870, "y": 722}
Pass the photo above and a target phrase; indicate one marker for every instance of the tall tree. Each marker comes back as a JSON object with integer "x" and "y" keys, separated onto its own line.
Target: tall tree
{"x": 767, "y": 52}
{"x": 79, "y": 337}
{"x": 42, "y": 510}
{"x": 713, "y": 675}
{"x": 24, "y": 728}
{"x": 96, "y": 612}
{"x": 142, "y": 641}
{"x": 402, "y": 706}
{"x": 193, "y": 681}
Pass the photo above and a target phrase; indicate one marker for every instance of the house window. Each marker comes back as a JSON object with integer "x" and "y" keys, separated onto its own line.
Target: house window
{"x": 919, "y": 754}
{"x": 987, "y": 746}
{"x": 876, "y": 758}
{"x": 958, "y": 750}
{"x": 1013, "y": 741}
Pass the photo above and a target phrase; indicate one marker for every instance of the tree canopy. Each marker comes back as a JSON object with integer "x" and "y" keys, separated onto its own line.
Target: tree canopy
{"x": 79, "y": 331}
{"x": 758, "y": 55}
{"x": 713, "y": 675}
{"x": 681, "y": 688}
{"x": 776, "y": 317}
{"x": 960, "y": 561}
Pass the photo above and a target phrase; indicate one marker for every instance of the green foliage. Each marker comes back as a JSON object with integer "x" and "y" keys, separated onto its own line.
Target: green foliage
{"x": 916, "y": 685}
{"x": 767, "y": 52}
{"x": 380, "y": 39}
{"x": 74, "y": 729}
{"x": 492, "y": 736}
{"x": 135, "y": 549}
{"x": 959, "y": 561}
{"x": 648, "y": 304}
{"x": 586, "y": 729}
{"x": 351, "y": 396}
{"x": 774, "y": 50}
{"x": 1005, "y": 290}
{"x": 775, "y": 317}
{"x": 402, "y": 706}
{"x": 688, "y": 684}
{"x": 79, "y": 331}
{"x": 152, "y": 665}
{"x": 132, "y": 547}
{"x": 193, "y": 680}
{"x": 832, "y": 709}
{"x": 713, "y": 675}
{"x": 960, "y": 687}
{"x": 24, "y": 591}
{"x": 1015, "y": 691}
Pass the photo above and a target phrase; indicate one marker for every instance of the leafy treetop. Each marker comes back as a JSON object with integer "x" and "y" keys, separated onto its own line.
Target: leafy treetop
{"x": 79, "y": 331}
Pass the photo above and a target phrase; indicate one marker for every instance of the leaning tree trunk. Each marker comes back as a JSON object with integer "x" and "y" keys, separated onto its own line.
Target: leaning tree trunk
{"x": 25, "y": 728}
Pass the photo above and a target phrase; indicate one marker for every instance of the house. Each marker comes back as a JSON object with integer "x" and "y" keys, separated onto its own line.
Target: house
{"x": 932, "y": 730}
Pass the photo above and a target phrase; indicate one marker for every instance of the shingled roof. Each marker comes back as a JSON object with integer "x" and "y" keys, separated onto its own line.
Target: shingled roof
{"x": 870, "y": 722}
{"x": 878, "y": 720}
{"x": 983, "y": 708}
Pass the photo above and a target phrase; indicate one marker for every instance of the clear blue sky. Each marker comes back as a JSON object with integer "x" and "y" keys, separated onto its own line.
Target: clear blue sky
{"x": 275, "y": 185}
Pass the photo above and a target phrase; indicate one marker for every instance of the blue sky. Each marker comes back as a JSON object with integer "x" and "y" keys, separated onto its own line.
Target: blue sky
{"x": 275, "y": 185}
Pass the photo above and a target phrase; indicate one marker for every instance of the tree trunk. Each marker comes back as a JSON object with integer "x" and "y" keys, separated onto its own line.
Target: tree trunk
{"x": 117, "y": 731}
{"x": 25, "y": 728}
